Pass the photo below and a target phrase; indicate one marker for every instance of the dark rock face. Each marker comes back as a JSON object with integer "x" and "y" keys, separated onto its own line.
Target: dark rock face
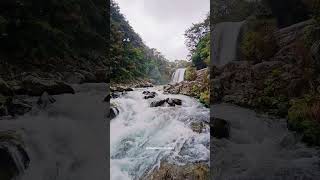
{"x": 114, "y": 111}
{"x": 35, "y": 86}
{"x": 149, "y": 95}
{"x": 219, "y": 128}
{"x": 45, "y": 100}
{"x": 107, "y": 98}
{"x": 169, "y": 101}
{"x": 10, "y": 147}
{"x": 157, "y": 103}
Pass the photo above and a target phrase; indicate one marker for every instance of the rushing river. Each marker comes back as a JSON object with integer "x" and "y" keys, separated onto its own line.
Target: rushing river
{"x": 143, "y": 136}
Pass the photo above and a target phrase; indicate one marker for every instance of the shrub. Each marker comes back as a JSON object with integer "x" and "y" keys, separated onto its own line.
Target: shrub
{"x": 259, "y": 42}
{"x": 205, "y": 98}
{"x": 191, "y": 74}
{"x": 303, "y": 117}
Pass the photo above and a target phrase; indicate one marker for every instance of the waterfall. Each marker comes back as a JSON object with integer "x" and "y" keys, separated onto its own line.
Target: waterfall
{"x": 225, "y": 42}
{"x": 178, "y": 75}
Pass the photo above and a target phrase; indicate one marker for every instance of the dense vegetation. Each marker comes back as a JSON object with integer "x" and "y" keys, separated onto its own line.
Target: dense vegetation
{"x": 130, "y": 57}
{"x": 198, "y": 43}
{"x": 293, "y": 92}
{"x": 52, "y": 35}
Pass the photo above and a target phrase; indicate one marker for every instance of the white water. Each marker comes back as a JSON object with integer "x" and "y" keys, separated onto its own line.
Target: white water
{"x": 178, "y": 75}
{"x": 139, "y": 126}
{"x": 67, "y": 140}
{"x": 260, "y": 148}
{"x": 225, "y": 42}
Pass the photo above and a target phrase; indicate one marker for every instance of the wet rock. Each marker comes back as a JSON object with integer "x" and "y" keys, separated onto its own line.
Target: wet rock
{"x": 35, "y": 86}
{"x": 45, "y": 100}
{"x": 219, "y": 128}
{"x": 114, "y": 112}
{"x": 10, "y": 149}
{"x": 197, "y": 126}
{"x": 5, "y": 89}
{"x": 107, "y": 98}
{"x": 157, "y": 103}
{"x": 149, "y": 95}
{"x": 173, "y": 101}
{"x": 197, "y": 171}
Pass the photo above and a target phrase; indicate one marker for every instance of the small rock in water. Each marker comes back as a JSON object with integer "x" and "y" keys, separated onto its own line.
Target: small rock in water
{"x": 197, "y": 126}
{"x": 174, "y": 101}
{"x": 45, "y": 100}
{"x": 157, "y": 103}
{"x": 149, "y": 95}
{"x": 114, "y": 111}
{"x": 220, "y": 128}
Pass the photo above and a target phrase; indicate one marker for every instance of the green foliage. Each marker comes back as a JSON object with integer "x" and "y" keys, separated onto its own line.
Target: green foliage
{"x": 205, "y": 98}
{"x": 198, "y": 42}
{"x": 191, "y": 73}
{"x": 231, "y": 10}
{"x": 130, "y": 57}
{"x": 301, "y": 119}
{"x": 259, "y": 43}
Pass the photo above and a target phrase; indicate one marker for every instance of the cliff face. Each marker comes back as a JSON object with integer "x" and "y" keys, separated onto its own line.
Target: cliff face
{"x": 286, "y": 85}
{"x": 198, "y": 88}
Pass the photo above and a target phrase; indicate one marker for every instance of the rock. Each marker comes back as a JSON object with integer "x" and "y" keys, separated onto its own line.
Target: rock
{"x": 219, "y": 128}
{"x": 5, "y": 89}
{"x": 197, "y": 126}
{"x": 157, "y": 103}
{"x": 107, "y": 98}
{"x": 114, "y": 111}
{"x": 297, "y": 87}
{"x": 45, "y": 100}
{"x": 10, "y": 148}
{"x": 19, "y": 107}
{"x": 101, "y": 75}
{"x": 195, "y": 171}
{"x": 115, "y": 95}
{"x": 75, "y": 78}
{"x": 88, "y": 76}
{"x": 174, "y": 101}
{"x": 35, "y": 86}
{"x": 149, "y": 95}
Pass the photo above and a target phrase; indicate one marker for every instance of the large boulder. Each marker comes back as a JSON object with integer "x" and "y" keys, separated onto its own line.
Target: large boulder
{"x": 11, "y": 147}
{"x": 219, "y": 128}
{"x": 157, "y": 103}
{"x": 35, "y": 86}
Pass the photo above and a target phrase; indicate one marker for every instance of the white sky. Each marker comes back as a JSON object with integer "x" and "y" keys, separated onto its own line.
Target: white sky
{"x": 162, "y": 23}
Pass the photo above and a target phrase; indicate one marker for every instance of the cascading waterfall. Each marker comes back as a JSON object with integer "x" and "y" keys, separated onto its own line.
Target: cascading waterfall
{"x": 225, "y": 38}
{"x": 138, "y": 128}
{"x": 178, "y": 75}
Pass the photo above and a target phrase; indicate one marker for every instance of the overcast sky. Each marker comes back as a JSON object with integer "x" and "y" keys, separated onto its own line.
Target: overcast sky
{"x": 162, "y": 23}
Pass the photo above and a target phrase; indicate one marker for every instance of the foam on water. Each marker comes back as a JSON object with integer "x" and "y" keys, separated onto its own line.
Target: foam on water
{"x": 139, "y": 126}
